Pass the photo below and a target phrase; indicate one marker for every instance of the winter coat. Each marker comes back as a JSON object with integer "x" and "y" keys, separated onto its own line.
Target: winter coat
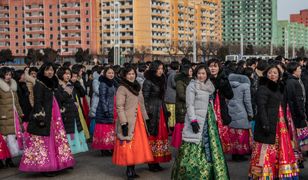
{"x": 8, "y": 98}
{"x": 30, "y": 81}
{"x": 197, "y": 101}
{"x": 170, "y": 96}
{"x": 43, "y": 91}
{"x": 294, "y": 97}
{"x": 269, "y": 97}
{"x": 140, "y": 78}
{"x": 104, "y": 111}
{"x": 222, "y": 85}
{"x": 129, "y": 97}
{"x": 95, "y": 95}
{"x": 153, "y": 92}
{"x": 23, "y": 97}
{"x": 305, "y": 82}
{"x": 240, "y": 105}
{"x": 182, "y": 82}
{"x": 69, "y": 110}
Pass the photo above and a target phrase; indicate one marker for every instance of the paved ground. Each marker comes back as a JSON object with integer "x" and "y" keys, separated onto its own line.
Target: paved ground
{"x": 92, "y": 166}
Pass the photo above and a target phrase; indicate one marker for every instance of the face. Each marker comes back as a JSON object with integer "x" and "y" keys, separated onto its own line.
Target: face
{"x": 110, "y": 74}
{"x": 297, "y": 73}
{"x": 74, "y": 78}
{"x": 214, "y": 69}
{"x": 190, "y": 72}
{"x": 201, "y": 75}
{"x": 33, "y": 74}
{"x": 160, "y": 71}
{"x": 8, "y": 77}
{"x": 49, "y": 72}
{"x": 273, "y": 74}
{"x": 130, "y": 76}
{"x": 22, "y": 78}
{"x": 301, "y": 62}
{"x": 67, "y": 76}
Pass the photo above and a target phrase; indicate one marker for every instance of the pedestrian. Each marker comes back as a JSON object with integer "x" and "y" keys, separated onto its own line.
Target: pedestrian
{"x": 140, "y": 73}
{"x": 201, "y": 155}
{"x": 272, "y": 154}
{"x": 47, "y": 149}
{"x": 104, "y": 131}
{"x": 30, "y": 76}
{"x": 69, "y": 111}
{"x": 10, "y": 111}
{"x": 182, "y": 80}
{"x": 223, "y": 92}
{"x": 170, "y": 94}
{"x": 240, "y": 111}
{"x": 132, "y": 146}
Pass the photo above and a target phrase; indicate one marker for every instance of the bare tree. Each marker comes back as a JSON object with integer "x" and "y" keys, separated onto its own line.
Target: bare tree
{"x": 186, "y": 48}
{"x": 143, "y": 52}
{"x": 171, "y": 49}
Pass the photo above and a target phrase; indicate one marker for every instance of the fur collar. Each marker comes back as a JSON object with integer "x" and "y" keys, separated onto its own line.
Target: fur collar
{"x": 132, "y": 87}
{"x": 49, "y": 83}
{"x": 109, "y": 82}
{"x": 271, "y": 85}
{"x": 6, "y": 87}
{"x": 207, "y": 86}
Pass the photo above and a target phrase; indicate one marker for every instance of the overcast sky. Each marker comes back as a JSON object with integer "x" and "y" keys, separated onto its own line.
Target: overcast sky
{"x": 287, "y": 7}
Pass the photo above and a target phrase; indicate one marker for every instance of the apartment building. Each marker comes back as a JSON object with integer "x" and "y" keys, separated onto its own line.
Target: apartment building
{"x": 301, "y": 18}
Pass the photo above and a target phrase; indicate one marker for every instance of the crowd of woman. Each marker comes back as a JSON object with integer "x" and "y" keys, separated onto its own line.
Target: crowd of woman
{"x": 252, "y": 107}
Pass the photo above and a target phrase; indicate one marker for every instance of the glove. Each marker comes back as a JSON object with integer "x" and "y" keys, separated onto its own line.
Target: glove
{"x": 266, "y": 130}
{"x": 125, "y": 129}
{"x": 195, "y": 126}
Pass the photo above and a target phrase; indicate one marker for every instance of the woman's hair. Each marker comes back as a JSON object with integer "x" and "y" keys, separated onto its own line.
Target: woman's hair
{"x": 215, "y": 61}
{"x": 33, "y": 69}
{"x": 142, "y": 67}
{"x": 174, "y": 65}
{"x": 198, "y": 68}
{"x": 271, "y": 67}
{"x": 292, "y": 66}
{"x": 18, "y": 74}
{"x": 185, "y": 69}
{"x": 248, "y": 71}
{"x": 154, "y": 66}
{"x": 126, "y": 70}
{"x": 61, "y": 71}
{"x": 44, "y": 67}
{"x": 5, "y": 70}
{"x": 107, "y": 69}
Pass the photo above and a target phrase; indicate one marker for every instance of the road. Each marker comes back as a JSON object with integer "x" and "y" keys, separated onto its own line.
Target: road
{"x": 91, "y": 165}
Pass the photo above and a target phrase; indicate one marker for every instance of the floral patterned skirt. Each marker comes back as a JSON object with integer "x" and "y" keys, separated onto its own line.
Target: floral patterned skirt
{"x": 303, "y": 138}
{"x": 240, "y": 142}
{"x": 48, "y": 153}
{"x": 160, "y": 143}
{"x": 271, "y": 161}
{"x": 4, "y": 150}
{"x": 103, "y": 137}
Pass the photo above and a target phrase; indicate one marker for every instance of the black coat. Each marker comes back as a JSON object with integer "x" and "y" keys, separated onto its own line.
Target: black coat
{"x": 182, "y": 81}
{"x": 43, "y": 91}
{"x": 104, "y": 110}
{"x": 69, "y": 110}
{"x": 153, "y": 92}
{"x": 269, "y": 97}
{"x": 222, "y": 85}
{"x": 294, "y": 97}
{"x": 305, "y": 82}
{"x": 23, "y": 97}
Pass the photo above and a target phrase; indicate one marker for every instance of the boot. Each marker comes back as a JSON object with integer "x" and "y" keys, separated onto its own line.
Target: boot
{"x": 235, "y": 157}
{"x": 103, "y": 153}
{"x": 152, "y": 168}
{"x": 158, "y": 167}
{"x": 49, "y": 174}
{"x": 9, "y": 163}
{"x": 130, "y": 172}
{"x": 2, "y": 166}
{"x": 301, "y": 164}
{"x": 134, "y": 172}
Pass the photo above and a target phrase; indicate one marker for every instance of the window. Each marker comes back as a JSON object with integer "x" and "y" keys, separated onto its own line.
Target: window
{"x": 17, "y": 51}
{"x": 51, "y": 36}
{"x": 87, "y": 20}
{"x": 87, "y": 27}
{"x": 50, "y": 21}
{"x": 51, "y": 28}
{"x": 16, "y": 22}
{"x": 17, "y": 44}
{"x": 87, "y": 12}
{"x": 87, "y": 4}
{"x": 16, "y": 29}
{"x": 50, "y": 14}
{"x": 88, "y": 42}
{"x": 16, "y": 15}
{"x": 16, "y": 37}
{"x": 15, "y": 8}
{"x": 50, "y": 6}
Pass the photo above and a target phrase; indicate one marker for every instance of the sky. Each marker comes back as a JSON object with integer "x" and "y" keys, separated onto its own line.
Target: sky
{"x": 287, "y": 7}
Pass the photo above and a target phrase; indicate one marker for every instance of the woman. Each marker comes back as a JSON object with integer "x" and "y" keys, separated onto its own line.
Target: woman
{"x": 69, "y": 111}
{"x": 295, "y": 97}
{"x": 10, "y": 112}
{"x": 103, "y": 138}
{"x": 223, "y": 91}
{"x": 132, "y": 145}
{"x": 240, "y": 111}
{"x": 47, "y": 148}
{"x": 30, "y": 76}
{"x": 201, "y": 155}
{"x": 153, "y": 91}
{"x": 272, "y": 154}
{"x": 182, "y": 80}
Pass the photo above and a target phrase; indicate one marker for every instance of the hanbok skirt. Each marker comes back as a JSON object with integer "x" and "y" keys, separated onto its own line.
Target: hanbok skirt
{"x": 177, "y": 135}
{"x": 136, "y": 151}
{"x": 4, "y": 150}
{"x": 271, "y": 161}
{"x": 48, "y": 153}
{"x": 83, "y": 121}
{"x": 160, "y": 143}
{"x": 103, "y": 137}
{"x": 171, "y": 119}
{"x": 77, "y": 141}
{"x": 240, "y": 142}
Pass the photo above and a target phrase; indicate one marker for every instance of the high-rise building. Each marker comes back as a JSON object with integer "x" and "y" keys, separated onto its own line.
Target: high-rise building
{"x": 301, "y": 18}
{"x": 63, "y": 25}
{"x": 292, "y": 35}
{"x": 253, "y": 20}
{"x": 157, "y": 24}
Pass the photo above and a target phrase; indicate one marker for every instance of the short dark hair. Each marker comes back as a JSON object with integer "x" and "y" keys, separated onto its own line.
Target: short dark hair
{"x": 126, "y": 70}
{"x": 262, "y": 65}
{"x": 35, "y": 69}
{"x": 174, "y": 65}
{"x": 61, "y": 71}
{"x": 215, "y": 61}
{"x": 67, "y": 64}
{"x": 5, "y": 70}
{"x": 251, "y": 61}
{"x": 106, "y": 69}
{"x": 142, "y": 67}
{"x": 271, "y": 67}
{"x": 292, "y": 66}
{"x": 248, "y": 71}
{"x": 198, "y": 68}
{"x": 17, "y": 75}
{"x": 42, "y": 69}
